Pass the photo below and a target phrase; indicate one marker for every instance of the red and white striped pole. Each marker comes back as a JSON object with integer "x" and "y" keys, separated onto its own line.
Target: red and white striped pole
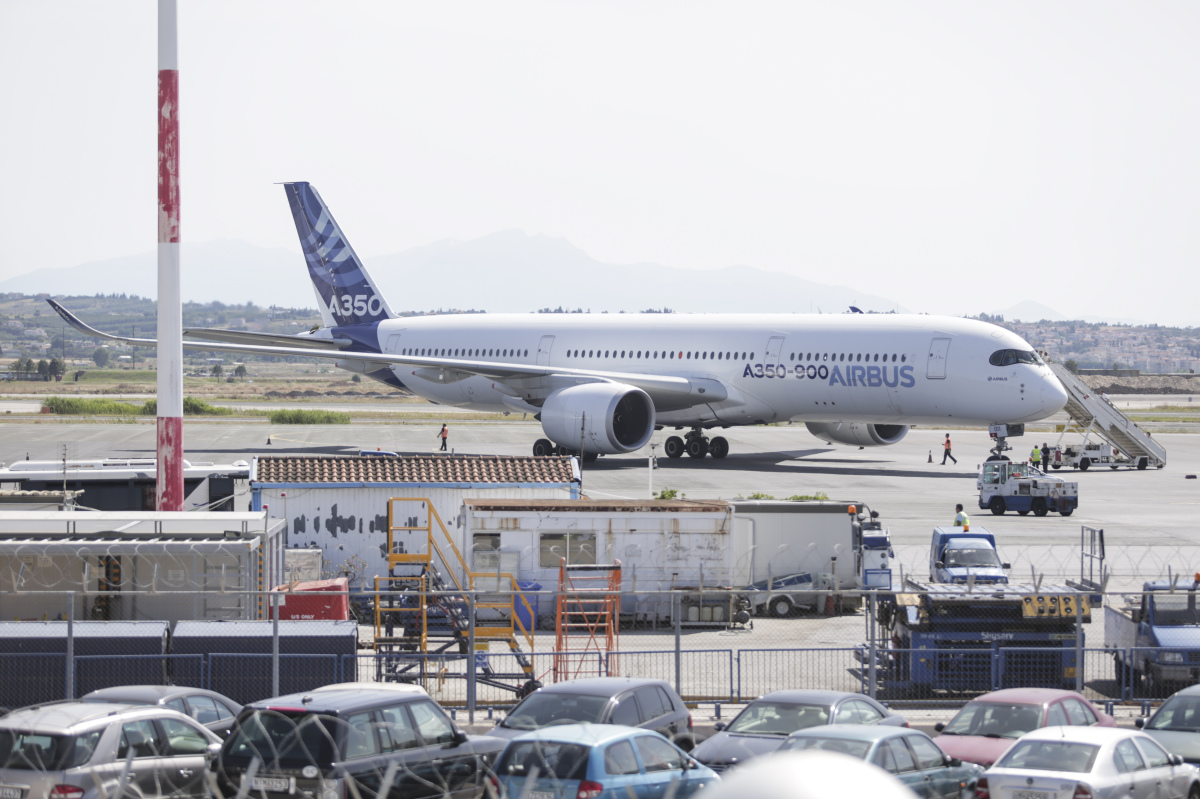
{"x": 169, "y": 483}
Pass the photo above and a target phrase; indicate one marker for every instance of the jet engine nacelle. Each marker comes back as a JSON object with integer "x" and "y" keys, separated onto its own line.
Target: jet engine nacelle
{"x": 609, "y": 417}
{"x": 858, "y": 434}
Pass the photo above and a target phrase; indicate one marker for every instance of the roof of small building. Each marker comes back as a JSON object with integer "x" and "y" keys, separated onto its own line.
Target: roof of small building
{"x": 600, "y": 505}
{"x": 413, "y": 469}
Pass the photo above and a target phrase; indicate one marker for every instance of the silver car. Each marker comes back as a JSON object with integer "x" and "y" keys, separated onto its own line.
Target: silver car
{"x": 80, "y": 750}
{"x": 1091, "y": 763}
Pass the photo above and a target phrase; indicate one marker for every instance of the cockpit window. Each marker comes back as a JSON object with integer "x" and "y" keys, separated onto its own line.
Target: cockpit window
{"x": 1009, "y": 357}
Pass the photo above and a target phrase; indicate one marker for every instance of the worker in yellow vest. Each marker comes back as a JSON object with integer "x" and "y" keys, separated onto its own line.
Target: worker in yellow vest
{"x": 962, "y": 520}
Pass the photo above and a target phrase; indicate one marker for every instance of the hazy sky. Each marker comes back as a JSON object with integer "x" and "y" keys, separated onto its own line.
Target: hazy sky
{"x": 954, "y": 156}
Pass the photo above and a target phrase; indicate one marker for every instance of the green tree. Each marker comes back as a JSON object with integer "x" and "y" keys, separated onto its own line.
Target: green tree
{"x": 57, "y": 367}
{"x": 1072, "y": 366}
{"x": 100, "y": 356}
{"x": 43, "y": 369}
{"x": 217, "y": 370}
{"x": 240, "y": 371}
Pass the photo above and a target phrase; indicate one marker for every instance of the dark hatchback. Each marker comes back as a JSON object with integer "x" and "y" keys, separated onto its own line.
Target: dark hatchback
{"x": 630, "y": 701}
{"x": 767, "y": 721}
{"x": 353, "y": 739}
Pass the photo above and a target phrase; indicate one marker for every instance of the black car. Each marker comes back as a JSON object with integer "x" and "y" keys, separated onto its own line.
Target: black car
{"x": 349, "y": 740}
{"x": 649, "y": 704}
{"x": 767, "y": 722}
{"x": 213, "y": 710}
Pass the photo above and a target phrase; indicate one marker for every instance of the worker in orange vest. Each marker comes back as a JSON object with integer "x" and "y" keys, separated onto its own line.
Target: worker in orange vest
{"x": 946, "y": 451}
{"x": 444, "y": 434}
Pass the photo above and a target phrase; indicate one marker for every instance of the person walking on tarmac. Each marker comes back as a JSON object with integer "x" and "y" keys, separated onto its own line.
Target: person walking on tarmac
{"x": 946, "y": 451}
{"x": 1045, "y": 456}
{"x": 961, "y": 520}
{"x": 444, "y": 434}
{"x": 1035, "y": 457}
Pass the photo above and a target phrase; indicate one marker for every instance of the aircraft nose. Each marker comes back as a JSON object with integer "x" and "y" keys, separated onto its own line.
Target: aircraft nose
{"x": 1054, "y": 395}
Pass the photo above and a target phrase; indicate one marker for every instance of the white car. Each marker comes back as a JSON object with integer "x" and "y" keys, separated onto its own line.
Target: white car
{"x": 1088, "y": 763}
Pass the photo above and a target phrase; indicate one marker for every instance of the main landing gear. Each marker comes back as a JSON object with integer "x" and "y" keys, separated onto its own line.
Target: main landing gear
{"x": 696, "y": 445}
{"x": 544, "y": 446}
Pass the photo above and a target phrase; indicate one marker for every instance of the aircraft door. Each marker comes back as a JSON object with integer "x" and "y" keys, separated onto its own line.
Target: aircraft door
{"x": 393, "y": 343}
{"x": 774, "y": 346}
{"x": 936, "y": 367}
{"x": 543, "y": 352}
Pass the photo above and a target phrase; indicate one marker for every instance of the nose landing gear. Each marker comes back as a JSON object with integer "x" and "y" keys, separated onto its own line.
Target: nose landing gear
{"x": 696, "y": 445}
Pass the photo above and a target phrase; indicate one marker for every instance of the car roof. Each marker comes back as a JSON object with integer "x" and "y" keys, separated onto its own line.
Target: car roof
{"x": 600, "y": 686}
{"x": 856, "y": 732}
{"x": 586, "y": 734}
{"x": 339, "y": 697}
{"x": 1080, "y": 734}
{"x": 63, "y": 717}
{"x": 1028, "y": 696}
{"x": 813, "y": 697}
{"x": 1191, "y": 690}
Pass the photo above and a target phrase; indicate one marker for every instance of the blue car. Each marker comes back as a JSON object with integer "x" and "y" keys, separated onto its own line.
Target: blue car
{"x": 597, "y": 761}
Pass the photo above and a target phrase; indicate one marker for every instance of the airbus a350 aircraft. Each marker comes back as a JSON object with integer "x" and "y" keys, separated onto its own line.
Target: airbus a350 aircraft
{"x": 604, "y": 383}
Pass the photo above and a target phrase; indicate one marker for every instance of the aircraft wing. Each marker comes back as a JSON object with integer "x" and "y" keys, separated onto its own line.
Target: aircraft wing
{"x": 669, "y": 389}
{"x": 267, "y": 339}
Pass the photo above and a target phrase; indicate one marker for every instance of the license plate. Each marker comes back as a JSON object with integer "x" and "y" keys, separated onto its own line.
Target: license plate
{"x": 541, "y": 795}
{"x": 10, "y": 792}
{"x": 1030, "y": 795}
{"x": 273, "y": 784}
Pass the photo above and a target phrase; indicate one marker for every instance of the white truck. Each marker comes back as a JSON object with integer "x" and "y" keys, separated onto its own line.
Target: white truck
{"x": 1006, "y": 485}
{"x": 1093, "y": 453}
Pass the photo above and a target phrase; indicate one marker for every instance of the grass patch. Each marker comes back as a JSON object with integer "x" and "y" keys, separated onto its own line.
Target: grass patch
{"x": 89, "y": 406}
{"x": 116, "y": 376}
{"x": 191, "y": 407}
{"x": 805, "y": 497}
{"x": 303, "y": 416}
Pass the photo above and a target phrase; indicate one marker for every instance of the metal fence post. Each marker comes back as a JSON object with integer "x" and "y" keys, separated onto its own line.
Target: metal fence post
{"x": 274, "y": 644}
{"x": 471, "y": 657}
{"x": 872, "y": 652}
{"x": 676, "y": 612}
{"x": 1080, "y": 652}
{"x": 70, "y": 683}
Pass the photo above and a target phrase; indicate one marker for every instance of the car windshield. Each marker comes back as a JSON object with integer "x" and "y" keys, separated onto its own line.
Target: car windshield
{"x": 856, "y": 749}
{"x": 1075, "y": 758}
{"x": 1175, "y": 610}
{"x": 958, "y": 558}
{"x": 778, "y": 718}
{"x": 33, "y": 751}
{"x": 544, "y": 758}
{"x": 544, "y": 708}
{"x": 282, "y": 740}
{"x": 1177, "y": 713}
{"x": 995, "y": 720}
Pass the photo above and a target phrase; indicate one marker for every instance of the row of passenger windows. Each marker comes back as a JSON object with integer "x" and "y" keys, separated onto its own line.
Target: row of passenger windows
{"x": 670, "y": 354}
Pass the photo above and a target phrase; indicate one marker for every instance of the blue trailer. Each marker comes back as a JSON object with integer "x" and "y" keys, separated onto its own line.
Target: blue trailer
{"x": 958, "y": 639}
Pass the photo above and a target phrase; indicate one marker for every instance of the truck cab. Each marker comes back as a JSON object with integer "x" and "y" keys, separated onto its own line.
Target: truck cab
{"x": 956, "y": 555}
{"x": 1157, "y": 641}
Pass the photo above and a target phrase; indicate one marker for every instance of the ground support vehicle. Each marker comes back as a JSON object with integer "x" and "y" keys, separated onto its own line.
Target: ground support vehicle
{"x": 1155, "y": 639}
{"x": 964, "y": 639}
{"x": 1005, "y": 486}
{"x": 1096, "y": 414}
{"x": 959, "y": 555}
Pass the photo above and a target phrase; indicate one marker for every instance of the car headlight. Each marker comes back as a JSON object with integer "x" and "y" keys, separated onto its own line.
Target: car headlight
{"x": 1170, "y": 657}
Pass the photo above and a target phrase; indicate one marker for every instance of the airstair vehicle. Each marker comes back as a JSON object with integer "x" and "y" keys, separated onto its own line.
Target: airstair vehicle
{"x": 1091, "y": 414}
{"x": 422, "y": 613}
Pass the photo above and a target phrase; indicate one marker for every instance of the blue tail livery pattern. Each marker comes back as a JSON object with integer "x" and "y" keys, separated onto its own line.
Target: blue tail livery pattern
{"x": 345, "y": 292}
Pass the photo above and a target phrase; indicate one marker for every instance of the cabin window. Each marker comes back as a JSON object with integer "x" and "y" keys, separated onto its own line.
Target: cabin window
{"x": 485, "y": 541}
{"x": 577, "y": 548}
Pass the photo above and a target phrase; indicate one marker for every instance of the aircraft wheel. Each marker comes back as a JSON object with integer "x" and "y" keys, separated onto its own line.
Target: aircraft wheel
{"x": 590, "y": 457}
{"x": 781, "y": 607}
{"x": 719, "y": 447}
{"x": 673, "y": 447}
{"x": 696, "y": 448}
{"x": 1039, "y": 507}
{"x": 542, "y": 447}
{"x": 996, "y": 506}
{"x": 1084, "y": 463}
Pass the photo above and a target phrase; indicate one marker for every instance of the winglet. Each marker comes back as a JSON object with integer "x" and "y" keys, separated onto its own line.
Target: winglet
{"x": 75, "y": 322}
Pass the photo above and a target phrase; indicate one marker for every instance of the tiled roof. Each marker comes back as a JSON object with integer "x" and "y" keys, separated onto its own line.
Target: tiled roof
{"x": 599, "y": 505}
{"x": 414, "y": 469}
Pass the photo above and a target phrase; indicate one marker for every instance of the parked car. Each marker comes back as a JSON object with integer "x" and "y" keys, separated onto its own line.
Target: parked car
{"x": 344, "y": 740}
{"x": 1091, "y": 762}
{"x": 597, "y": 760}
{"x": 634, "y": 702}
{"x": 213, "y": 710}
{"x": 71, "y": 750}
{"x": 768, "y": 720}
{"x": 987, "y": 725}
{"x": 910, "y": 755}
{"x": 1176, "y": 724}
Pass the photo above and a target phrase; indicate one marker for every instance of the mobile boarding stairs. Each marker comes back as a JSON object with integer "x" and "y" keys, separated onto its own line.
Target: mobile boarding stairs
{"x": 1092, "y": 414}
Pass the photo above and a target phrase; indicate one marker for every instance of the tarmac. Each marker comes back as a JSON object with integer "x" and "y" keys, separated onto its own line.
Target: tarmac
{"x": 1148, "y": 517}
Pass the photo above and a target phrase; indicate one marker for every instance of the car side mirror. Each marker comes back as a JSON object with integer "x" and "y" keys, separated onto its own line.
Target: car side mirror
{"x": 1139, "y": 723}
{"x": 212, "y": 752}
{"x": 1176, "y": 760}
{"x": 1005, "y": 565}
{"x": 460, "y": 737}
{"x": 720, "y": 725}
{"x": 953, "y": 762}
{"x": 688, "y": 763}
{"x": 937, "y": 564}
{"x": 941, "y": 725}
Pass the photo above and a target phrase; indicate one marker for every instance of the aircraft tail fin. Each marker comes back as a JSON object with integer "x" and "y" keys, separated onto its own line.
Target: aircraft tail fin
{"x": 346, "y": 294}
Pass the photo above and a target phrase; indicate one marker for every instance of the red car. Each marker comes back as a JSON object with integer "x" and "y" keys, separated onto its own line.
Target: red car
{"x": 985, "y": 727}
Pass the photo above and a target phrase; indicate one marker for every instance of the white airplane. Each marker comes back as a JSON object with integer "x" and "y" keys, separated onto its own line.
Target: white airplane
{"x": 603, "y": 383}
